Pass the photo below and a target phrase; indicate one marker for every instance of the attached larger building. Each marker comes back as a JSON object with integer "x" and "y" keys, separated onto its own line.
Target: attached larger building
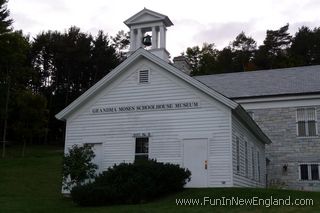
{"x": 286, "y": 105}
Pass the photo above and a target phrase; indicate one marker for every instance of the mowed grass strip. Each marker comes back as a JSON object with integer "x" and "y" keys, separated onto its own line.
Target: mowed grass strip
{"x": 33, "y": 184}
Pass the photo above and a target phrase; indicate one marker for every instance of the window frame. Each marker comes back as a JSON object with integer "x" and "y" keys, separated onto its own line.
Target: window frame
{"x": 306, "y": 124}
{"x": 309, "y": 171}
{"x": 141, "y": 153}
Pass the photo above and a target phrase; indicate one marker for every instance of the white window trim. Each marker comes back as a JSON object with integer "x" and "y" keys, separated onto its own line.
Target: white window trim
{"x": 306, "y": 123}
{"x": 309, "y": 172}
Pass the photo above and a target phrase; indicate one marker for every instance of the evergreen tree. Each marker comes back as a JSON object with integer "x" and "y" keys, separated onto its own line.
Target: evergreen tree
{"x": 305, "y": 47}
{"x": 243, "y": 48}
{"x": 121, "y": 44}
{"x": 273, "y": 53}
{"x": 5, "y": 21}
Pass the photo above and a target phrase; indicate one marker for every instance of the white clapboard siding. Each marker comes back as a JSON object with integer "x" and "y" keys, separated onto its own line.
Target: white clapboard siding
{"x": 168, "y": 128}
{"x": 240, "y": 178}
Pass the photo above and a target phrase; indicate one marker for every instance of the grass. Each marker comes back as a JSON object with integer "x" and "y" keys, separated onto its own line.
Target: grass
{"x": 33, "y": 184}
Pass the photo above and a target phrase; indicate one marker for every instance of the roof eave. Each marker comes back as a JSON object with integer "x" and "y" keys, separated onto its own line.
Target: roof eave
{"x": 245, "y": 117}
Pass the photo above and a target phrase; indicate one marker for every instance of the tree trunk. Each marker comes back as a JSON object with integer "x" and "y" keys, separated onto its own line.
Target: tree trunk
{"x": 24, "y": 147}
{"x": 4, "y": 138}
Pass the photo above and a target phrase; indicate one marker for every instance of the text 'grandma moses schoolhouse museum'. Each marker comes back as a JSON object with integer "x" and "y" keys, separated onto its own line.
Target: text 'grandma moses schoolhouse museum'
{"x": 248, "y": 129}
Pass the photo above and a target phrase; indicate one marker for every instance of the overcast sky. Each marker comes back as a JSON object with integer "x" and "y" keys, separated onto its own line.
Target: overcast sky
{"x": 195, "y": 21}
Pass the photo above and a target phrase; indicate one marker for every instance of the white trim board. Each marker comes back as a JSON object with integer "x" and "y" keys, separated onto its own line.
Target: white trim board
{"x": 279, "y": 102}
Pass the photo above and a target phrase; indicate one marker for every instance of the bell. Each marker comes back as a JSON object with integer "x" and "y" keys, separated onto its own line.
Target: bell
{"x": 146, "y": 40}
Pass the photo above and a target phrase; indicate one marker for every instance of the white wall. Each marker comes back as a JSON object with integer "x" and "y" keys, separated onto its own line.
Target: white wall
{"x": 168, "y": 128}
{"x": 241, "y": 178}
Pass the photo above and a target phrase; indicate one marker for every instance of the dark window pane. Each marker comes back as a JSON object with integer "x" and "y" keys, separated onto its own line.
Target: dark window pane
{"x": 238, "y": 153}
{"x": 304, "y": 172}
{"x": 301, "y": 128}
{"x": 314, "y": 172}
{"x": 312, "y": 128}
{"x": 142, "y": 145}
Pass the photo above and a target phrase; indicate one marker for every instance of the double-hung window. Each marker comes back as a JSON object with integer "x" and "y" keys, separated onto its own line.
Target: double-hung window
{"x": 309, "y": 171}
{"x": 306, "y": 122}
{"x": 142, "y": 148}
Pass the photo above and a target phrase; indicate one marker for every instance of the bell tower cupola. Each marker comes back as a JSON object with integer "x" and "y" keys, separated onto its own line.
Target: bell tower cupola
{"x": 148, "y": 30}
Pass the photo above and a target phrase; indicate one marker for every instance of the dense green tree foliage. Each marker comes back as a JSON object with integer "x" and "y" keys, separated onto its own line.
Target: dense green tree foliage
{"x": 67, "y": 64}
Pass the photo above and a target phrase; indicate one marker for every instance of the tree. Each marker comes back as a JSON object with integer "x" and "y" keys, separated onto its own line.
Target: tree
{"x": 104, "y": 57}
{"x": 30, "y": 117}
{"x": 243, "y": 48}
{"x": 273, "y": 53}
{"x": 305, "y": 47}
{"x": 66, "y": 65}
{"x": 193, "y": 57}
{"x": 202, "y": 61}
{"x": 78, "y": 166}
{"x": 5, "y": 27}
{"x": 5, "y": 21}
{"x": 121, "y": 44}
{"x": 207, "y": 60}
{"x": 15, "y": 75}
{"x": 225, "y": 61}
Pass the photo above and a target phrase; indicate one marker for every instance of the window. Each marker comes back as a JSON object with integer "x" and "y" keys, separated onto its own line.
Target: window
{"x": 253, "y": 166}
{"x": 309, "y": 171}
{"x": 314, "y": 172}
{"x": 246, "y": 157}
{"x": 142, "y": 148}
{"x": 144, "y": 76}
{"x": 306, "y": 122}
{"x": 238, "y": 153}
{"x": 304, "y": 172}
{"x": 258, "y": 157}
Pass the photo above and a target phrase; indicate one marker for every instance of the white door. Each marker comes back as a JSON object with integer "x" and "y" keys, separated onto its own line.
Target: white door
{"x": 195, "y": 158}
{"x": 97, "y": 149}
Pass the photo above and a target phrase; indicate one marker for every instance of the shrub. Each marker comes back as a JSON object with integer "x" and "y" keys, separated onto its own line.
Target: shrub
{"x": 78, "y": 166}
{"x": 132, "y": 183}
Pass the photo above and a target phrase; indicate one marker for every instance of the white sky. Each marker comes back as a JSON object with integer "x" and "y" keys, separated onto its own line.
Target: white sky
{"x": 195, "y": 21}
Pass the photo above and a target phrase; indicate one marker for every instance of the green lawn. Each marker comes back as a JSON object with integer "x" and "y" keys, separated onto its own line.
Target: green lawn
{"x": 33, "y": 183}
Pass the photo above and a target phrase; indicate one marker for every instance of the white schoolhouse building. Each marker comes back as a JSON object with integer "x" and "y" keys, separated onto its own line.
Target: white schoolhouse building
{"x": 148, "y": 108}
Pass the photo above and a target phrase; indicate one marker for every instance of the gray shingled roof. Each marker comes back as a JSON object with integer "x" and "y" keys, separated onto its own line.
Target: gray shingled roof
{"x": 296, "y": 80}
